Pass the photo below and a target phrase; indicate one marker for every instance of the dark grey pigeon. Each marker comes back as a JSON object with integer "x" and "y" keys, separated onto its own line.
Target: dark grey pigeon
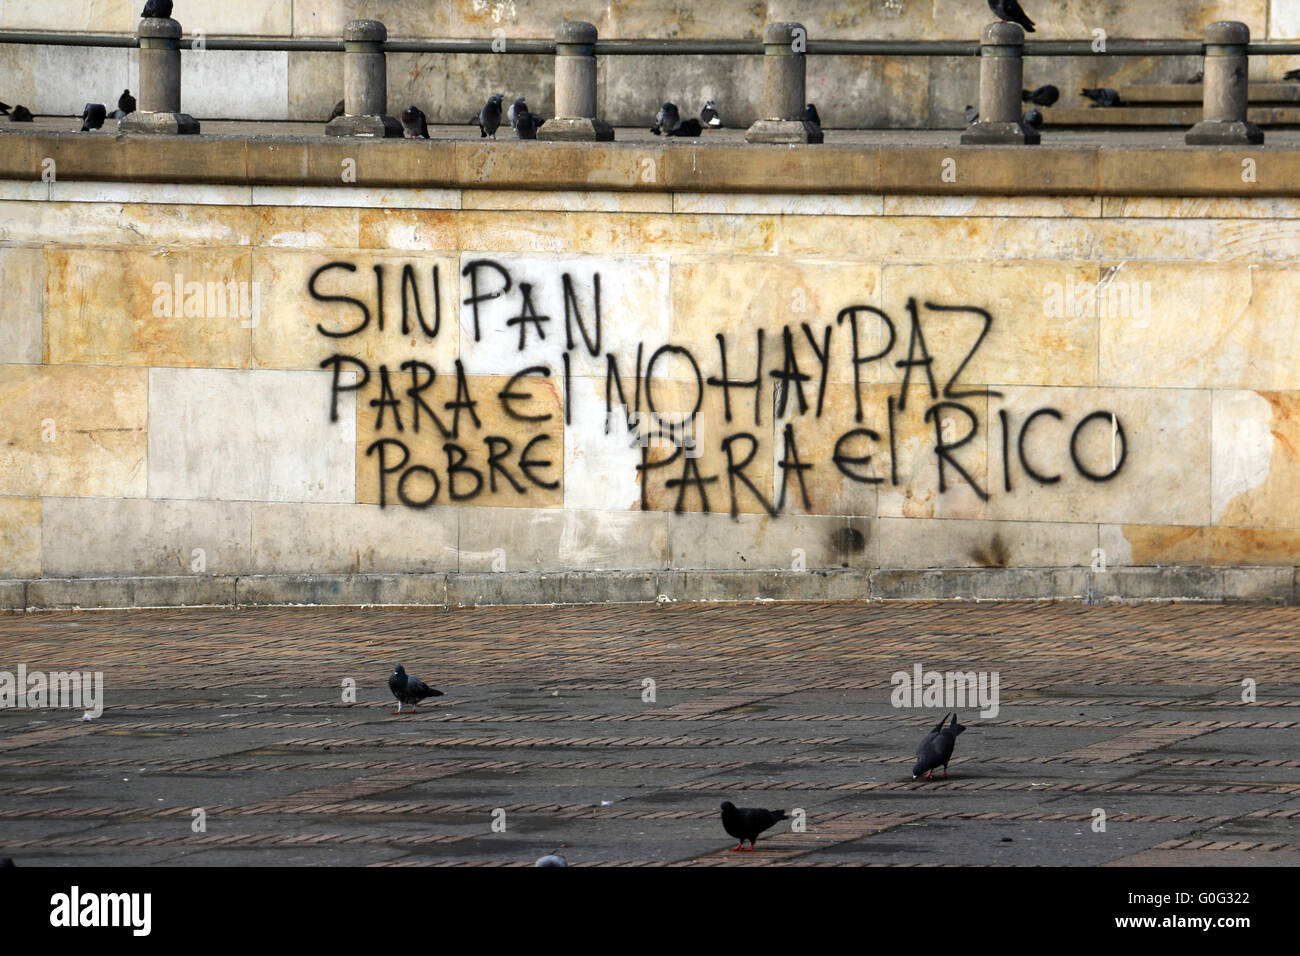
{"x": 1033, "y": 120}
{"x": 709, "y": 117}
{"x": 414, "y": 124}
{"x": 518, "y": 108}
{"x": 489, "y": 117}
{"x": 746, "y": 823}
{"x": 527, "y": 125}
{"x": 1043, "y": 96}
{"x": 936, "y": 749}
{"x": 126, "y": 103}
{"x": 553, "y": 859}
{"x": 6, "y": 863}
{"x": 1102, "y": 96}
{"x": 972, "y": 115}
{"x": 21, "y": 114}
{"x": 1009, "y": 11}
{"x": 157, "y": 8}
{"x": 666, "y": 120}
{"x": 688, "y": 127}
{"x": 1292, "y": 75}
{"x": 409, "y": 690}
{"x": 92, "y": 117}
{"x": 4, "y": 109}
{"x": 810, "y": 115}
{"x": 339, "y": 110}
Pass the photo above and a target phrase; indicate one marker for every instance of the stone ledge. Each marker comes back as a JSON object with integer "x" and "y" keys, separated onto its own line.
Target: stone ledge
{"x": 1126, "y": 170}
{"x": 1266, "y": 585}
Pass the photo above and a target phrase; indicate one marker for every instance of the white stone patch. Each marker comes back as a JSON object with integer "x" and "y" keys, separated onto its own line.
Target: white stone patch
{"x": 1243, "y": 447}
{"x": 780, "y": 204}
{"x": 187, "y": 194}
{"x": 250, "y": 435}
{"x": 230, "y": 84}
{"x": 600, "y": 471}
{"x": 61, "y": 80}
{"x": 353, "y": 197}
{"x": 1284, "y": 20}
{"x": 634, "y": 310}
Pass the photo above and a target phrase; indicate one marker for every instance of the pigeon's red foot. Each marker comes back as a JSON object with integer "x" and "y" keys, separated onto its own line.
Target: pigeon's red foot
{"x": 929, "y": 775}
{"x": 945, "y": 773}
{"x": 751, "y": 848}
{"x": 738, "y": 846}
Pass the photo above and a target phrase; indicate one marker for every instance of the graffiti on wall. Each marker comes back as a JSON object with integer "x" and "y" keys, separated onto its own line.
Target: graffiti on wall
{"x": 755, "y": 422}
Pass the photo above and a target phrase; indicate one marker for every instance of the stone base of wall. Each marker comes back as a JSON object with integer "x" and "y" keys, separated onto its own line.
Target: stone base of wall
{"x": 1268, "y": 585}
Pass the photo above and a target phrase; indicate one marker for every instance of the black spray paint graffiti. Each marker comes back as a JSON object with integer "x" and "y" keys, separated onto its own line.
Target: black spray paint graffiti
{"x": 473, "y": 462}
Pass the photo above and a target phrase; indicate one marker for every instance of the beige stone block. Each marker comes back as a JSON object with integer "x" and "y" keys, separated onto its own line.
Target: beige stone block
{"x": 1041, "y": 327}
{"x": 469, "y": 441}
{"x": 761, "y": 543}
{"x": 1201, "y": 207}
{"x": 250, "y": 436}
{"x": 73, "y": 431}
{"x": 983, "y": 207}
{"x": 679, "y": 439}
{"x": 315, "y": 82}
{"x": 305, "y": 227}
{"x": 112, "y": 224}
{"x": 22, "y": 277}
{"x": 478, "y": 18}
{"x": 915, "y": 481}
{"x": 1154, "y": 545}
{"x": 534, "y": 201}
{"x": 20, "y": 537}
{"x": 511, "y": 539}
{"x": 778, "y": 204}
{"x": 188, "y": 307}
{"x": 353, "y": 539}
{"x": 89, "y": 537}
{"x": 259, "y": 18}
{"x": 1208, "y": 325}
{"x": 1163, "y": 458}
{"x": 327, "y": 18}
{"x": 293, "y": 325}
{"x": 736, "y": 297}
{"x": 626, "y": 234}
{"x": 922, "y": 240}
{"x": 1257, "y": 460}
{"x": 91, "y": 16}
{"x": 915, "y": 543}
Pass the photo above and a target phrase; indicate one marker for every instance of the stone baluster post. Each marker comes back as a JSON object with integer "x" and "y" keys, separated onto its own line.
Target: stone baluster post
{"x": 1227, "y": 89}
{"x": 575, "y": 87}
{"x": 784, "y": 78}
{"x": 365, "y": 84}
{"x": 1002, "y": 72}
{"x": 158, "y": 109}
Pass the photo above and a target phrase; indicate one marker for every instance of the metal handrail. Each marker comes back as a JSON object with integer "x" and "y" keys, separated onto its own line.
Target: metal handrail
{"x": 720, "y": 47}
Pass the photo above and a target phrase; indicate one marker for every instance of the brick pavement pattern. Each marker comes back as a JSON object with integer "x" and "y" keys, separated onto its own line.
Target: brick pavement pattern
{"x": 1129, "y": 716}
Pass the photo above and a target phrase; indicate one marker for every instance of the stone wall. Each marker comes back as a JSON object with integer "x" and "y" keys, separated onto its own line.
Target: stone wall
{"x": 851, "y": 92}
{"x": 372, "y": 395}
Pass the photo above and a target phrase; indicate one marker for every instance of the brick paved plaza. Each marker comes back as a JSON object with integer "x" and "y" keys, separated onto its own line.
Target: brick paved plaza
{"x": 1133, "y": 710}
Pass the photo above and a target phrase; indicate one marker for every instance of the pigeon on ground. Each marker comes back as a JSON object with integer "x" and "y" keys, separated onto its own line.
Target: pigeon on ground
{"x": 1043, "y": 96}
{"x": 92, "y": 117}
{"x": 972, "y": 115}
{"x": 1291, "y": 75}
{"x": 1009, "y": 11}
{"x": 747, "y": 823}
{"x": 414, "y": 124}
{"x": 666, "y": 120}
{"x": 21, "y": 114}
{"x": 527, "y": 125}
{"x": 810, "y": 115}
{"x": 339, "y": 110}
{"x": 409, "y": 690}
{"x": 489, "y": 117}
{"x": 518, "y": 108}
{"x": 6, "y": 863}
{"x": 709, "y": 117}
{"x": 688, "y": 127}
{"x": 553, "y": 859}
{"x": 157, "y": 8}
{"x": 936, "y": 749}
{"x": 1102, "y": 96}
{"x": 4, "y": 109}
{"x": 1033, "y": 120}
